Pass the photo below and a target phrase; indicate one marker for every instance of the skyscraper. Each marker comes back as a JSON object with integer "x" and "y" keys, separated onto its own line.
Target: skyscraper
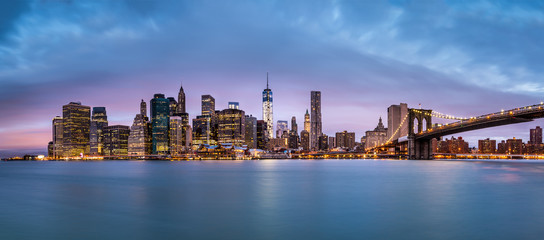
{"x": 139, "y": 140}
{"x": 116, "y": 140}
{"x": 143, "y": 108}
{"x": 99, "y": 121}
{"x": 173, "y": 106}
{"x": 231, "y": 127}
{"x": 176, "y": 136}
{"x": 251, "y": 132}
{"x": 267, "y": 110}
{"x": 307, "y": 124}
{"x": 535, "y": 135}
{"x": 305, "y": 140}
{"x": 294, "y": 126}
{"x": 208, "y": 105}
{"x": 262, "y": 134}
{"x": 57, "y": 137}
{"x": 160, "y": 122}
{"x": 181, "y": 102}
{"x": 345, "y": 139}
{"x": 76, "y": 128}
{"x": 316, "y": 126}
{"x": 395, "y": 116}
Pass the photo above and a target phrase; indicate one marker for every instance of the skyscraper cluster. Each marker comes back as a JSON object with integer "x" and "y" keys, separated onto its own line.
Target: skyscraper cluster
{"x": 167, "y": 131}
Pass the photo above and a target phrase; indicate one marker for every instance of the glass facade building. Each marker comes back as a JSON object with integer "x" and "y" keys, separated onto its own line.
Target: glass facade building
{"x": 99, "y": 120}
{"x": 160, "y": 124}
{"x": 116, "y": 140}
{"x": 76, "y": 128}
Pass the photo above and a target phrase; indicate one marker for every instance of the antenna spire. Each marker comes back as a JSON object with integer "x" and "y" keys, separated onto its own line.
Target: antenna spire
{"x": 266, "y": 80}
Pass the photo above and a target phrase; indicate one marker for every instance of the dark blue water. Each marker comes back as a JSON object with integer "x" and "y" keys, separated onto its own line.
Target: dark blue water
{"x": 272, "y": 199}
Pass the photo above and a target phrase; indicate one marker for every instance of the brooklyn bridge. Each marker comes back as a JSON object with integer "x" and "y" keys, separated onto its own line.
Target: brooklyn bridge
{"x": 417, "y": 144}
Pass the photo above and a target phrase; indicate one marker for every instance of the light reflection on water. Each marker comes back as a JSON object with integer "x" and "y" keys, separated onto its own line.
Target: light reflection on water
{"x": 272, "y": 199}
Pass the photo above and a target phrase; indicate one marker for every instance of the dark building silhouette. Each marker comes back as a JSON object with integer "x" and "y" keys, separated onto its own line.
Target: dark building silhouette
{"x": 99, "y": 121}
{"x": 536, "y": 135}
{"x": 116, "y": 140}
{"x": 160, "y": 124}
{"x": 315, "y": 120}
{"x": 262, "y": 134}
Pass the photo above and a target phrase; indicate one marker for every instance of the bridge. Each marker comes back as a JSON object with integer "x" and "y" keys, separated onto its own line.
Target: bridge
{"x": 421, "y": 130}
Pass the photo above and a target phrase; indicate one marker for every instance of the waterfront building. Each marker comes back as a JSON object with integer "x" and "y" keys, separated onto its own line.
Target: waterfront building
{"x": 181, "y": 102}
{"x": 116, "y": 140}
{"x": 57, "y": 137}
{"x": 173, "y": 106}
{"x": 395, "y": 116}
{"x": 176, "y": 146}
{"x": 307, "y": 123}
{"x": 323, "y": 142}
{"x": 501, "y": 147}
{"x": 76, "y": 128}
{"x": 160, "y": 123}
{"x": 231, "y": 127}
{"x": 143, "y": 108}
{"x": 514, "y": 146}
{"x": 99, "y": 120}
{"x": 305, "y": 140}
{"x": 234, "y": 105}
{"x": 251, "y": 132}
{"x": 262, "y": 134}
{"x": 276, "y": 144}
{"x": 376, "y": 137}
{"x": 535, "y": 136}
{"x": 315, "y": 119}
{"x": 268, "y": 115}
{"x": 487, "y": 146}
{"x": 453, "y": 145}
{"x": 139, "y": 139}
{"x": 282, "y": 129}
{"x": 187, "y": 133}
{"x": 346, "y": 139}
{"x": 332, "y": 142}
{"x": 292, "y": 142}
{"x": 363, "y": 142}
{"x": 202, "y": 132}
{"x": 50, "y": 149}
{"x": 208, "y": 105}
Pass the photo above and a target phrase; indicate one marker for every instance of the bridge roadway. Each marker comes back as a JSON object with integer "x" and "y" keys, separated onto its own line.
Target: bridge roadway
{"x": 518, "y": 115}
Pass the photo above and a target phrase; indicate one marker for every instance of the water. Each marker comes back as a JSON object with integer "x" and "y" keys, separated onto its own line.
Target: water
{"x": 272, "y": 199}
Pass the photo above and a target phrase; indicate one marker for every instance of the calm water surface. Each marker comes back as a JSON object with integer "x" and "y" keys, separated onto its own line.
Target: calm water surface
{"x": 272, "y": 199}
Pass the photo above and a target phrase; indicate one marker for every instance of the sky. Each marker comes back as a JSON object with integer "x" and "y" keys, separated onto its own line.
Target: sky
{"x": 464, "y": 58}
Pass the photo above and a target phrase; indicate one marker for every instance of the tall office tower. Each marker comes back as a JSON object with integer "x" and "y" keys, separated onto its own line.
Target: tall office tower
{"x": 99, "y": 121}
{"x": 395, "y": 116}
{"x": 160, "y": 123}
{"x": 315, "y": 118}
{"x": 57, "y": 137}
{"x": 208, "y": 105}
{"x": 231, "y": 126}
{"x": 307, "y": 124}
{"x": 186, "y": 132}
{"x": 251, "y": 132}
{"x": 176, "y": 136}
{"x": 202, "y": 131}
{"x": 181, "y": 102}
{"x": 323, "y": 141}
{"x": 143, "y": 108}
{"x": 267, "y": 110}
{"x": 262, "y": 134}
{"x": 282, "y": 129}
{"x": 173, "y": 106}
{"x": 536, "y": 135}
{"x": 292, "y": 142}
{"x": 305, "y": 140}
{"x": 294, "y": 126}
{"x": 76, "y": 128}
{"x": 139, "y": 140}
{"x": 234, "y": 105}
{"x": 116, "y": 140}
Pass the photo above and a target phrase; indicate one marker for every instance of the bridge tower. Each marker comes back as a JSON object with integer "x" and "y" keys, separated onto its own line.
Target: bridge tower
{"x": 419, "y": 148}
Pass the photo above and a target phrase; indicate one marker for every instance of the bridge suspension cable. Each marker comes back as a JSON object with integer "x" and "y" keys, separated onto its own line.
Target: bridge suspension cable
{"x": 396, "y": 131}
{"x": 440, "y": 115}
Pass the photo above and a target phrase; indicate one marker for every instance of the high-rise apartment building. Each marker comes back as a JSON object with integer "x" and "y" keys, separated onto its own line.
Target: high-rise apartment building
{"x": 305, "y": 140}
{"x": 160, "y": 124}
{"x": 315, "y": 118}
{"x": 535, "y": 136}
{"x": 251, "y": 132}
{"x": 139, "y": 140}
{"x": 76, "y": 128}
{"x": 176, "y": 136}
{"x": 345, "y": 139}
{"x": 99, "y": 120}
{"x": 262, "y": 134}
{"x": 487, "y": 146}
{"x": 267, "y": 110}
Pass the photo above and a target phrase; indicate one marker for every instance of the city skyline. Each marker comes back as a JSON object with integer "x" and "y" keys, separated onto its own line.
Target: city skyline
{"x": 360, "y": 68}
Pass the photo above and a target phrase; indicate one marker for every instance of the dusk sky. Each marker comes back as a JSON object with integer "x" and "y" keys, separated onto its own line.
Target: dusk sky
{"x": 464, "y": 58}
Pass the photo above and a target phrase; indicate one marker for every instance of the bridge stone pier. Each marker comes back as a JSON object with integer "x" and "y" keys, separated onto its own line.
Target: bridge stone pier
{"x": 419, "y": 120}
